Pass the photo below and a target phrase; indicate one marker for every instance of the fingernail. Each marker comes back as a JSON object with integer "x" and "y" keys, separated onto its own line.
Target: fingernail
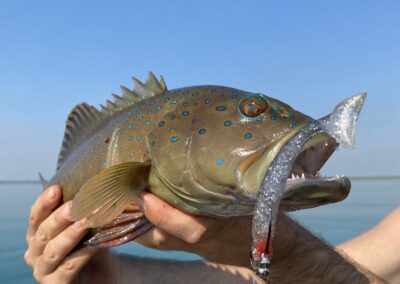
{"x": 80, "y": 224}
{"x": 67, "y": 212}
{"x": 51, "y": 193}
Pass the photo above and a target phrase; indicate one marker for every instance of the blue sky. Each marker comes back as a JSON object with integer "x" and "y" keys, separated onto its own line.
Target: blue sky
{"x": 310, "y": 54}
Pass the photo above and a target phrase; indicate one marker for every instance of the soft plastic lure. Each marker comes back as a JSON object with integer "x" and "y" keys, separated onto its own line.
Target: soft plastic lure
{"x": 340, "y": 125}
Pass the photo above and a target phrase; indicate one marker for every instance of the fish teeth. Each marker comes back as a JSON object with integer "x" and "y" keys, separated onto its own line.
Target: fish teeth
{"x": 303, "y": 176}
{"x": 293, "y": 176}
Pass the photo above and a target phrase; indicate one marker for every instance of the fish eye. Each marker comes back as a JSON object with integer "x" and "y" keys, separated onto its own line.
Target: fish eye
{"x": 253, "y": 106}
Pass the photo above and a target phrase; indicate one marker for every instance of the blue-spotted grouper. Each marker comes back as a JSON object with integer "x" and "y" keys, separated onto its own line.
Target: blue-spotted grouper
{"x": 203, "y": 149}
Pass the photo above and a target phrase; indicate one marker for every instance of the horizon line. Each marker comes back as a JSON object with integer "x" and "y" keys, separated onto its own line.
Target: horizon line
{"x": 367, "y": 177}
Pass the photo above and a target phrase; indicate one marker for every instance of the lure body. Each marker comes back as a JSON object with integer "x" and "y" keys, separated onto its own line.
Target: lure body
{"x": 340, "y": 125}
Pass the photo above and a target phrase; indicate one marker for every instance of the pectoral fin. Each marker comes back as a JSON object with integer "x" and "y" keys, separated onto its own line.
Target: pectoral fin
{"x": 106, "y": 195}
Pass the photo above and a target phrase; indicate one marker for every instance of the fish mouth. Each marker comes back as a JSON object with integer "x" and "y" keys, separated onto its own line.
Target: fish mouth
{"x": 306, "y": 187}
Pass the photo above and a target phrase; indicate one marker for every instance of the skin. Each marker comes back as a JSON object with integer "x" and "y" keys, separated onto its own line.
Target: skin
{"x": 383, "y": 254}
{"x": 299, "y": 255}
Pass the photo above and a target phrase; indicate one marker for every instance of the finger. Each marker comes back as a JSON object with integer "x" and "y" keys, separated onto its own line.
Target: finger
{"x": 42, "y": 208}
{"x": 59, "y": 247}
{"x": 158, "y": 239}
{"x": 51, "y": 227}
{"x": 177, "y": 223}
{"x": 67, "y": 271}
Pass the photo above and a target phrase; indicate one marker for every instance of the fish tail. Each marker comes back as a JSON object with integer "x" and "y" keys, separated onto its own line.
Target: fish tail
{"x": 341, "y": 123}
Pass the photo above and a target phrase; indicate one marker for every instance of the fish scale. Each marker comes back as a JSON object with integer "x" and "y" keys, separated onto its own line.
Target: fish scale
{"x": 202, "y": 149}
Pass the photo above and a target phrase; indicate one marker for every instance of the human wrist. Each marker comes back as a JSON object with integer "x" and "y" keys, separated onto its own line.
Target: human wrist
{"x": 229, "y": 243}
{"x": 300, "y": 256}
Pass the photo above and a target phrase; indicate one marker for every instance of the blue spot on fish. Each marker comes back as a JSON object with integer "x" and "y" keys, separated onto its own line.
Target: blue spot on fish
{"x": 149, "y": 111}
{"x": 152, "y": 144}
{"x": 130, "y": 126}
{"x": 277, "y": 108}
{"x": 273, "y": 117}
{"x": 220, "y": 161}
{"x": 234, "y": 96}
{"x": 174, "y": 102}
{"x": 247, "y": 135}
{"x": 207, "y": 101}
{"x": 291, "y": 116}
{"x": 138, "y": 138}
{"x": 195, "y": 94}
{"x": 161, "y": 123}
{"x": 293, "y": 125}
{"x": 202, "y": 131}
{"x": 228, "y": 123}
{"x": 158, "y": 107}
{"x": 185, "y": 113}
{"x": 147, "y": 122}
{"x": 172, "y": 116}
{"x": 259, "y": 98}
{"x": 220, "y": 108}
{"x": 174, "y": 139}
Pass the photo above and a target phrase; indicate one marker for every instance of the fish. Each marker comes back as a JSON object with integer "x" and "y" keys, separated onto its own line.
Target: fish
{"x": 340, "y": 125}
{"x": 202, "y": 149}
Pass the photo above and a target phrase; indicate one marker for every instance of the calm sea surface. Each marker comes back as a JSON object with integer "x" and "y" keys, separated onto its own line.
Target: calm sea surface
{"x": 368, "y": 202}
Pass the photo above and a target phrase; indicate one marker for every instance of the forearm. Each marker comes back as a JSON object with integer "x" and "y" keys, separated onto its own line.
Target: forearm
{"x": 379, "y": 248}
{"x": 301, "y": 257}
{"x": 130, "y": 269}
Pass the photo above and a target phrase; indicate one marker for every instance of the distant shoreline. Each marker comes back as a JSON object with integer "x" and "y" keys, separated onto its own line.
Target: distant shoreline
{"x": 19, "y": 182}
{"x": 374, "y": 177}
{"x": 354, "y": 178}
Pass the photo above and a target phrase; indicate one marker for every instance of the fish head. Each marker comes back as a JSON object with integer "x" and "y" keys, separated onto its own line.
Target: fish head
{"x": 238, "y": 135}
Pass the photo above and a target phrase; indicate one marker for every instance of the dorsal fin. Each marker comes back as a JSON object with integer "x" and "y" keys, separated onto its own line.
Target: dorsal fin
{"x": 82, "y": 120}
{"x": 152, "y": 87}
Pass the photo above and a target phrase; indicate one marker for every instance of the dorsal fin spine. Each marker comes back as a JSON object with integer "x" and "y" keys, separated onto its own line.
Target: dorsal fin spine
{"x": 84, "y": 119}
{"x": 152, "y": 87}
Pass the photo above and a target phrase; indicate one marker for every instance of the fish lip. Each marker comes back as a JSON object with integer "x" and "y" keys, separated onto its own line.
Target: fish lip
{"x": 329, "y": 190}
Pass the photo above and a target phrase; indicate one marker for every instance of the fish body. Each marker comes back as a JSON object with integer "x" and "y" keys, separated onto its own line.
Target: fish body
{"x": 203, "y": 149}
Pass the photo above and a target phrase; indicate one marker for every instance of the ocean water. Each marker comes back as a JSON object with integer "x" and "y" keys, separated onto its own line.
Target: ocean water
{"x": 369, "y": 201}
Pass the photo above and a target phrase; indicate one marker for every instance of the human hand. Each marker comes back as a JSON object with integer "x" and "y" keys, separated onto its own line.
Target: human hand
{"x": 52, "y": 238}
{"x": 299, "y": 256}
{"x": 224, "y": 241}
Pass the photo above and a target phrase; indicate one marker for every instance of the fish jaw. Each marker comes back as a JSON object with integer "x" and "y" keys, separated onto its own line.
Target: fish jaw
{"x": 305, "y": 187}
{"x": 308, "y": 192}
